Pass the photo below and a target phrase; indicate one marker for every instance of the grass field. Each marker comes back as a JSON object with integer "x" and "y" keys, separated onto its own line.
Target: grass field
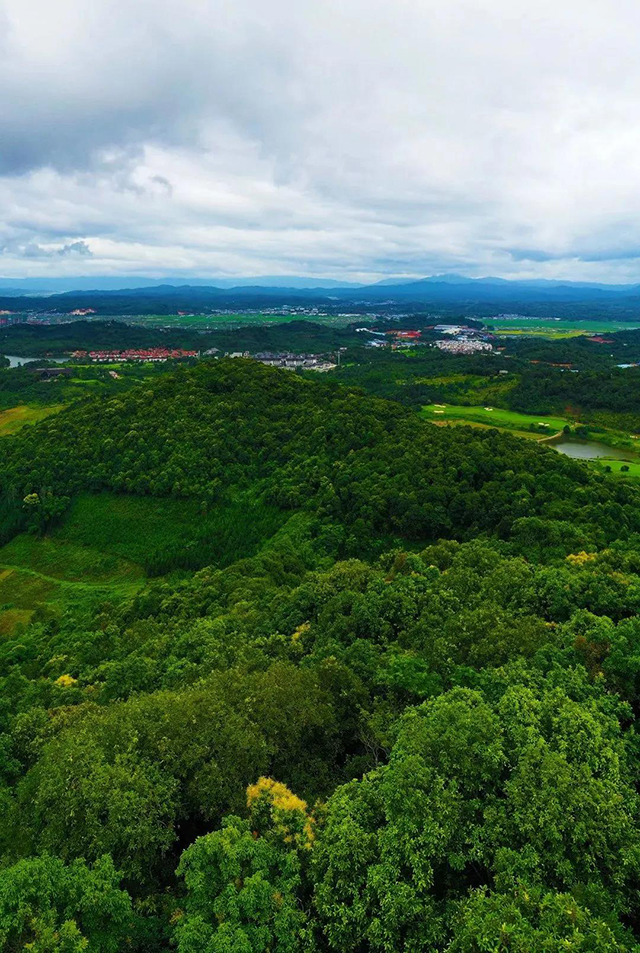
{"x": 548, "y": 327}
{"x": 14, "y": 418}
{"x": 24, "y": 589}
{"x": 503, "y": 419}
{"x": 616, "y": 467}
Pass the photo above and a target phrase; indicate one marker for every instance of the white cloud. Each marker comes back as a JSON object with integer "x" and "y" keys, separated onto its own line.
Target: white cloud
{"x": 338, "y": 138}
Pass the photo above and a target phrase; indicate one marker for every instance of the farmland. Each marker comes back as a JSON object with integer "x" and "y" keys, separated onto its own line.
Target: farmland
{"x": 230, "y": 320}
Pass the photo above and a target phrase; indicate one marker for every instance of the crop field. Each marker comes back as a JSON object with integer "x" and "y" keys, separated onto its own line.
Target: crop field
{"x": 14, "y": 418}
{"x": 494, "y": 417}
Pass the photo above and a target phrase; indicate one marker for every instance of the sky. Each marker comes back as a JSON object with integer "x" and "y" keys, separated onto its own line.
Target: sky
{"x": 337, "y": 138}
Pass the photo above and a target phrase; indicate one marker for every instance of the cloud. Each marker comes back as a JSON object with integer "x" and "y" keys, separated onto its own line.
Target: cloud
{"x": 75, "y": 248}
{"x": 33, "y": 250}
{"x": 345, "y": 138}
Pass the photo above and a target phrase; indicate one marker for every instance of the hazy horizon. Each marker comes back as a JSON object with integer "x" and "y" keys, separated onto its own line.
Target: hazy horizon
{"x": 116, "y": 282}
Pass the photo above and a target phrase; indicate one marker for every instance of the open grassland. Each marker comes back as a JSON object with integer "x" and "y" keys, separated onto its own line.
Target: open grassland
{"x": 495, "y": 417}
{"x": 60, "y": 559}
{"x": 14, "y": 418}
{"x": 52, "y": 573}
{"x": 24, "y": 591}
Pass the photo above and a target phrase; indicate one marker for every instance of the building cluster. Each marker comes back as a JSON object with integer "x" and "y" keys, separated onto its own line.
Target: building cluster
{"x": 454, "y": 329}
{"x": 307, "y": 362}
{"x": 461, "y": 344}
{"x": 157, "y": 354}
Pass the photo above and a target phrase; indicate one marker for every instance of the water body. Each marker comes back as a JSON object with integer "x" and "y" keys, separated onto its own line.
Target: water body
{"x": 591, "y": 450}
{"x": 15, "y": 361}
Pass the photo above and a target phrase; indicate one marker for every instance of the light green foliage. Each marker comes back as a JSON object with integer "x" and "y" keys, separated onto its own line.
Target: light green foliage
{"x": 159, "y": 534}
{"x": 49, "y": 907}
{"x": 530, "y": 919}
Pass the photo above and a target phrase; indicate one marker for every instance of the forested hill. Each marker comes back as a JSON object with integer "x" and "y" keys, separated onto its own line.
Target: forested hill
{"x": 404, "y": 721}
{"x": 365, "y": 465}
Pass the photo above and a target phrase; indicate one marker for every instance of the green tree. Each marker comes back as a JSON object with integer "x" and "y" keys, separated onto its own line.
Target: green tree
{"x": 245, "y": 882}
{"x": 46, "y": 906}
{"x": 530, "y": 919}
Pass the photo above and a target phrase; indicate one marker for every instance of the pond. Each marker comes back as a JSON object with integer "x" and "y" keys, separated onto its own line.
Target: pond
{"x": 15, "y": 361}
{"x": 591, "y": 449}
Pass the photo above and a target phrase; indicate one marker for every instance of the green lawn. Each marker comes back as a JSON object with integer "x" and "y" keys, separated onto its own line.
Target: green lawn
{"x": 616, "y": 467}
{"x": 496, "y": 417}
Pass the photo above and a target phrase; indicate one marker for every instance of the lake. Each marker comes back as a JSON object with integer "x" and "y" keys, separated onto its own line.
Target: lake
{"x": 15, "y": 361}
{"x": 590, "y": 449}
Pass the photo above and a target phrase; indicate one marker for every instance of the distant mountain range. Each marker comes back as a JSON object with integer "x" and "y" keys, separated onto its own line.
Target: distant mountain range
{"x": 23, "y": 286}
{"x": 438, "y": 289}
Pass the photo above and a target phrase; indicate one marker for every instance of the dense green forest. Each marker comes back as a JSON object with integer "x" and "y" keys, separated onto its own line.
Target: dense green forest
{"x": 376, "y": 691}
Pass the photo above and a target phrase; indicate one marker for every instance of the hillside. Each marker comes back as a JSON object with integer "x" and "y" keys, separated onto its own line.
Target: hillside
{"x": 336, "y": 452}
{"x": 285, "y": 668}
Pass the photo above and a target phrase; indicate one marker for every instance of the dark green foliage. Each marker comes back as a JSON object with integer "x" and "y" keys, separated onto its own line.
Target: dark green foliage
{"x": 431, "y": 635}
{"x": 366, "y": 464}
